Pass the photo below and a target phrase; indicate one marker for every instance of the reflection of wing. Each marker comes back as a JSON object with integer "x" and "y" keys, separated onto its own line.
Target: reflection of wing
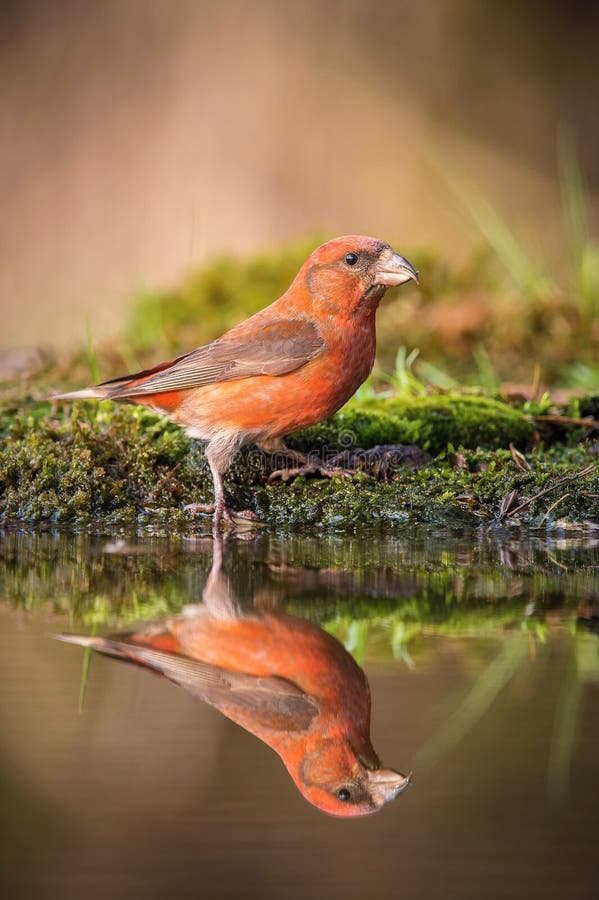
{"x": 268, "y": 701}
{"x": 275, "y": 348}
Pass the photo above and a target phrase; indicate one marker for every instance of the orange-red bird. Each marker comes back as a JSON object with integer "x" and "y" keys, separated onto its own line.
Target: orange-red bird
{"x": 281, "y": 678}
{"x": 288, "y": 366}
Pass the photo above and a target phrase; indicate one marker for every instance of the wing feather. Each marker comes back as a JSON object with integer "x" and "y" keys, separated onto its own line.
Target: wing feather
{"x": 267, "y": 700}
{"x": 275, "y": 348}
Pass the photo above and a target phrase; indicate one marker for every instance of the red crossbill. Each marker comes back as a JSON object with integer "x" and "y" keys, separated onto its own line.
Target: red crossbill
{"x": 291, "y": 365}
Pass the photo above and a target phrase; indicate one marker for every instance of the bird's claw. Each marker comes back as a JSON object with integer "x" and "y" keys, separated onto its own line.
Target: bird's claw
{"x": 236, "y": 521}
{"x": 243, "y": 517}
{"x": 230, "y": 517}
{"x": 322, "y": 471}
{"x": 199, "y": 509}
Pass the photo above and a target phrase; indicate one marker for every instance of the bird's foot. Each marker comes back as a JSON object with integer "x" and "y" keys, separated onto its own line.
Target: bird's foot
{"x": 311, "y": 469}
{"x": 200, "y": 509}
{"x": 222, "y": 514}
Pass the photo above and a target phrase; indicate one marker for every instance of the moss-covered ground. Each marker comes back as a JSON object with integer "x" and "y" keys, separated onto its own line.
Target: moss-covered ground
{"x": 87, "y": 464}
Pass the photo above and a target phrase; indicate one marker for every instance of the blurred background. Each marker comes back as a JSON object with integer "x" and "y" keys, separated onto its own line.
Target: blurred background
{"x": 139, "y": 140}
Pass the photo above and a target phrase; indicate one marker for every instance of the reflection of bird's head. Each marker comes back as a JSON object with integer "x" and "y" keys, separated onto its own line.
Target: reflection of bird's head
{"x": 348, "y": 269}
{"x": 342, "y": 782}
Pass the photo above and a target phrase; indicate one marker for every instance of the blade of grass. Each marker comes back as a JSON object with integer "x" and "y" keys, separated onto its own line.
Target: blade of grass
{"x": 564, "y": 735}
{"x": 487, "y": 377}
{"x": 584, "y": 252}
{"x": 91, "y": 353}
{"x": 403, "y": 378}
{"x": 519, "y": 265}
{"x": 436, "y": 377}
{"x": 357, "y": 638}
{"x": 87, "y": 655}
{"x": 574, "y": 203}
{"x": 488, "y": 685}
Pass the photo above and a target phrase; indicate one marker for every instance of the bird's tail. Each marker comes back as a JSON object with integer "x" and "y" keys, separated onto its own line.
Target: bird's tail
{"x": 90, "y": 393}
{"x": 102, "y": 645}
{"x": 116, "y": 388}
{"x": 200, "y": 678}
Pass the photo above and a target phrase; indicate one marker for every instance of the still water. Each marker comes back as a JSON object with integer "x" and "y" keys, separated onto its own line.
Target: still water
{"x": 482, "y": 654}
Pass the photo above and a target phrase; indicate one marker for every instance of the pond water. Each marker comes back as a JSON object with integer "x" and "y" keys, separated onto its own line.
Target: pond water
{"x": 482, "y": 654}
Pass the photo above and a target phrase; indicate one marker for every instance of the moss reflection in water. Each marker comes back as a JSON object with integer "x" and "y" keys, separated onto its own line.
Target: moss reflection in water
{"x": 450, "y": 583}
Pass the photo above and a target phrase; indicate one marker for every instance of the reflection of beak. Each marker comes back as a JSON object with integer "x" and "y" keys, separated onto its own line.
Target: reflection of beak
{"x": 392, "y": 269}
{"x": 386, "y": 784}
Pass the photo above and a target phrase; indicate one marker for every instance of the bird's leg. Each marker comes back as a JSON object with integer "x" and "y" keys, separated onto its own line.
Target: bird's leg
{"x": 218, "y": 509}
{"x": 219, "y": 462}
{"x": 304, "y": 464}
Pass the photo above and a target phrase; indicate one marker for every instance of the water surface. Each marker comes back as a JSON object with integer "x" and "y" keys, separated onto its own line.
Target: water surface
{"x": 482, "y": 654}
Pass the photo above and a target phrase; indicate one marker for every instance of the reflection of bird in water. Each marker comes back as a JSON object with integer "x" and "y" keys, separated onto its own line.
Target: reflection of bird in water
{"x": 290, "y": 365}
{"x": 280, "y": 677}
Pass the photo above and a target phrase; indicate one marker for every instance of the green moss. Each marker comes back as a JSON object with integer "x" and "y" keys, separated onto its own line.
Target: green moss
{"x": 106, "y": 463}
{"x": 433, "y": 423}
{"x": 443, "y": 495}
{"x": 90, "y": 460}
{"x": 467, "y": 421}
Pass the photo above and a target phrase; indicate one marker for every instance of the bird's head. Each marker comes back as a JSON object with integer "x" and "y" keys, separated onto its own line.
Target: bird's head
{"x": 343, "y": 781}
{"x": 354, "y": 272}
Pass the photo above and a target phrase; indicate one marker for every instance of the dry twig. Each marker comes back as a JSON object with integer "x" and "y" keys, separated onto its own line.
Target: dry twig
{"x": 561, "y": 482}
{"x": 519, "y": 458}
{"x": 586, "y": 422}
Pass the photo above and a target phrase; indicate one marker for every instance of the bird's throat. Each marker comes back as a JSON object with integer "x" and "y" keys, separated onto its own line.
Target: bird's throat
{"x": 371, "y": 299}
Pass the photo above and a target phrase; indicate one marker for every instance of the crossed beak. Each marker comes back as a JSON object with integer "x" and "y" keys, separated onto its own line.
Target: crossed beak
{"x": 386, "y": 784}
{"x": 392, "y": 269}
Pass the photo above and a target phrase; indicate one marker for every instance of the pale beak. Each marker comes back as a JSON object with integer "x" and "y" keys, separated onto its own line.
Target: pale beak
{"x": 392, "y": 269}
{"x": 386, "y": 784}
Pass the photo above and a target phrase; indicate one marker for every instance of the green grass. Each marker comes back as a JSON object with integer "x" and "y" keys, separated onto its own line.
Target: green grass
{"x": 559, "y": 290}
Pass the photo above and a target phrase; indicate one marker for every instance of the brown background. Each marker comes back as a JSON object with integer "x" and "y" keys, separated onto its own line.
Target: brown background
{"x": 139, "y": 138}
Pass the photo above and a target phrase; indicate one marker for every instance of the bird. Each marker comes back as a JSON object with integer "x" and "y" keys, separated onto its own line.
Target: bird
{"x": 290, "y": 365}
{"x": 280, "y": 677}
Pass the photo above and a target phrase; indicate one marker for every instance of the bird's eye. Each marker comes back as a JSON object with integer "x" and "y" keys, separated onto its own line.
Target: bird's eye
{"x": 351, "y": 258}
{"x": 343, "y": 794}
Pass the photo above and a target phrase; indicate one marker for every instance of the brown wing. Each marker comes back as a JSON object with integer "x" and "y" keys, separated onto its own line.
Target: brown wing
{"x": 269, "y": 701}
{"x": 275, "y": 348}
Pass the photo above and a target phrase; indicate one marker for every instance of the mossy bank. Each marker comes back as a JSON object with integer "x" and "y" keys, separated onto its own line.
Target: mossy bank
{"x": 102, "y": 465}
